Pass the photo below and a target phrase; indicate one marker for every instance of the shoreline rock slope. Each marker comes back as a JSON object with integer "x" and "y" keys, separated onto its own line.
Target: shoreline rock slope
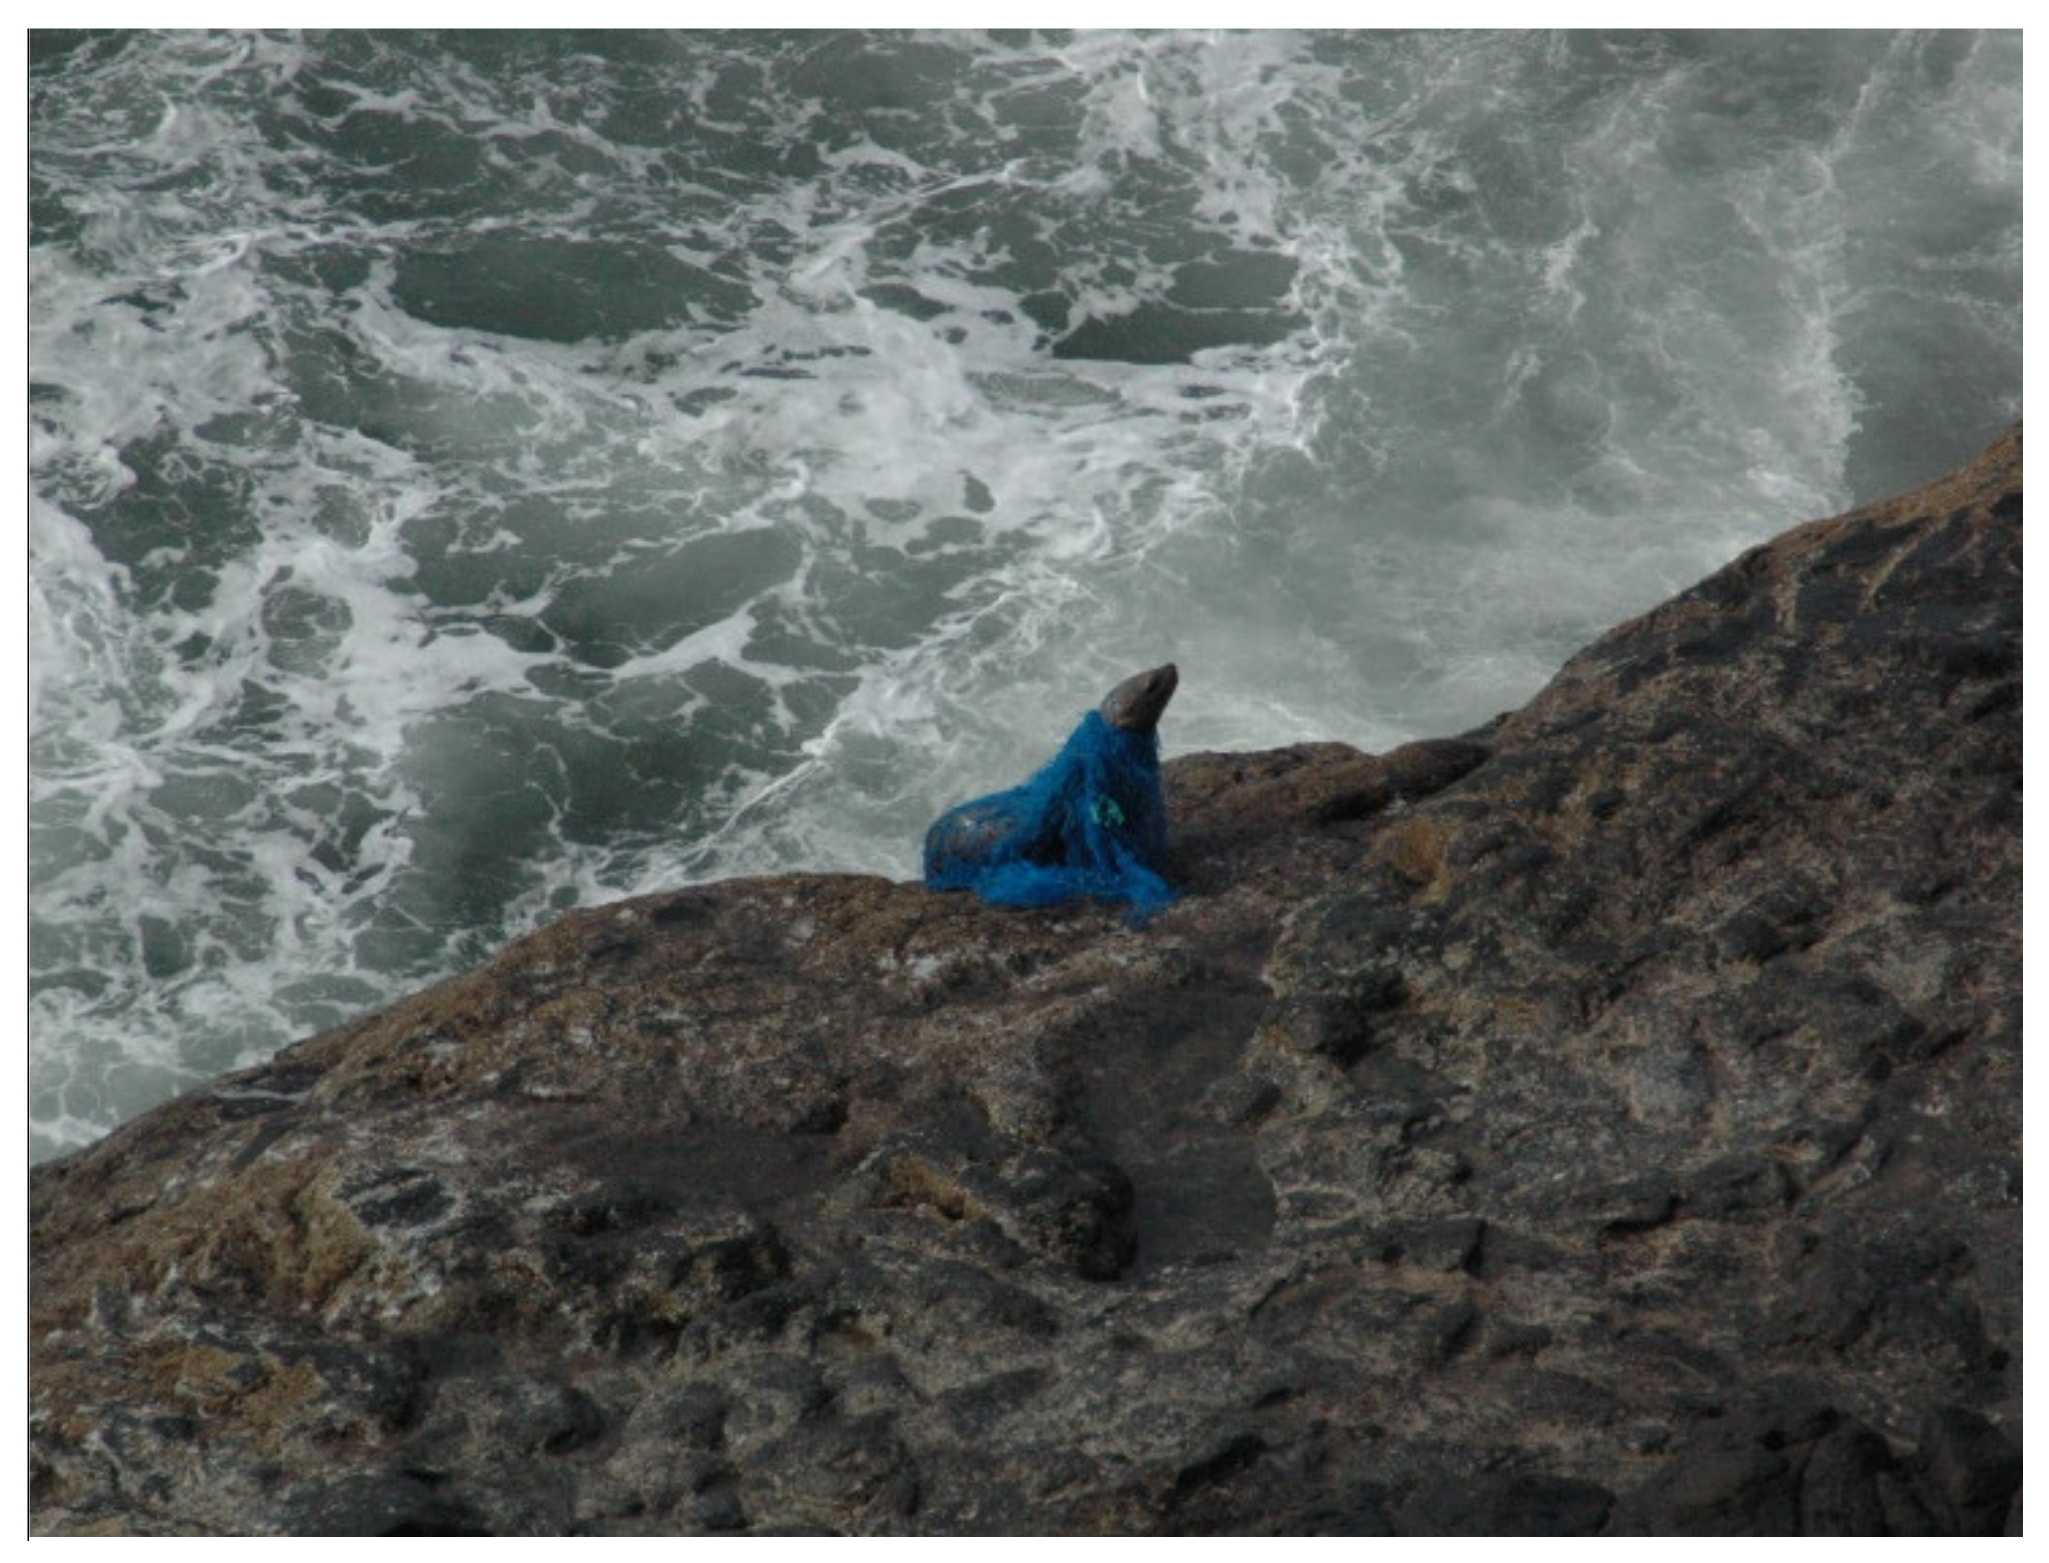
{"x": 1605, "y": 1123}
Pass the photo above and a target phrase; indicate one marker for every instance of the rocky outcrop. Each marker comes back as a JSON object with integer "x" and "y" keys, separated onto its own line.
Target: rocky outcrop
{"x": 1608, "y": 1122}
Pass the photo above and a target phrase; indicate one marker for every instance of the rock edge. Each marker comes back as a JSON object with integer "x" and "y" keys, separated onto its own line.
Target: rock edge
{"x": 1605, "y": 1123}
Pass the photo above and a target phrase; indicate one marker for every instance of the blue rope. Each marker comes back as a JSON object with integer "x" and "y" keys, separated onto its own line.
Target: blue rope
{"x": 1092, "y": 822}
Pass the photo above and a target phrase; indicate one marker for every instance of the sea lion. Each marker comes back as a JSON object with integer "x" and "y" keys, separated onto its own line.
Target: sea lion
{"x": 1091, "y": 822}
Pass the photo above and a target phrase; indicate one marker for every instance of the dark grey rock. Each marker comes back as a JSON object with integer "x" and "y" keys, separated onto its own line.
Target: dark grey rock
{"x": 1607, "y": 1122}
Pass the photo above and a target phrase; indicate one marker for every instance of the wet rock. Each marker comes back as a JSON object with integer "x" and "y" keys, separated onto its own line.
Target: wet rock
{"x": 1607, "y": 1122}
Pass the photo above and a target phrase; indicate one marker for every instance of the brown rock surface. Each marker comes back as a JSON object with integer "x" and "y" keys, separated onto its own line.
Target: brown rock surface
{"x": 1607, "y": 1122}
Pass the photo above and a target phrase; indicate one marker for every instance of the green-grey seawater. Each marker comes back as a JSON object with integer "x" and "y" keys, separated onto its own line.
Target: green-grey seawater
{"x": 476, "y": 475}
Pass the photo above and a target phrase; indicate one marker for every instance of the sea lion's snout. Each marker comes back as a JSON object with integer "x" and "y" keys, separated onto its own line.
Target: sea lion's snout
{"x": 1135, "y": 705}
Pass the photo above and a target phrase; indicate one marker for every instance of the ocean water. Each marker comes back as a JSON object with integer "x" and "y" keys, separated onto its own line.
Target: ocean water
{"x": 476, "y": 476}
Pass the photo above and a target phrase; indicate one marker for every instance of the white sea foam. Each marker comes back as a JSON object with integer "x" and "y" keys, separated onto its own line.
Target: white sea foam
{"x": 475, "y": 477}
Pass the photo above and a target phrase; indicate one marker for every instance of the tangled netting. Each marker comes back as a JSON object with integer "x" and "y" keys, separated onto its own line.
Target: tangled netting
{"x": 1092, "y": 822}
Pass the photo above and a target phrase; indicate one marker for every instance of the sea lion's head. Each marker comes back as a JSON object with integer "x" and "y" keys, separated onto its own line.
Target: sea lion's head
{"x": 1135, "y": 705}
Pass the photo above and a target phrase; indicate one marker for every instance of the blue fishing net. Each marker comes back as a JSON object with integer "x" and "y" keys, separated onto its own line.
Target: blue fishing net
{"x": 1092, "y": 822}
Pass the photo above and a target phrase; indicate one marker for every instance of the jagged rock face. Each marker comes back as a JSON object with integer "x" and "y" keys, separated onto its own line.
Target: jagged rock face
{"x": 1609, "y": 1122}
